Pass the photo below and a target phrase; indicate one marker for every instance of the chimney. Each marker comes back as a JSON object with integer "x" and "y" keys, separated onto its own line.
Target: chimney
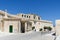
{"x": 5, "y": 13}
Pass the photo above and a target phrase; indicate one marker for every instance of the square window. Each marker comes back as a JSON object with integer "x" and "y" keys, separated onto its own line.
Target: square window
{"x": 38, "y": 18}
{"x": 29, "y": 16}
{"x": 34, "y": 16}
{"x": 24, "y": 15}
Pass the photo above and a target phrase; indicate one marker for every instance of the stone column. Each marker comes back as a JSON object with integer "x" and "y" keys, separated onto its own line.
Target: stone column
{"x": 2, "y": 28}
{"x": 19, "y": 26}
{"x": 25, "y": 26}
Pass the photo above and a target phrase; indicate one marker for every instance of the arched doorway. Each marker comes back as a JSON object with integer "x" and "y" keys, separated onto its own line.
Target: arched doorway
{"x": 22, "y": 27}
{"x": 11, "y": 28}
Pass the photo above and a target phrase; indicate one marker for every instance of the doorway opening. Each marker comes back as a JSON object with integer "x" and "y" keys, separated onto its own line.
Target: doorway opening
{"x": 22, "y": 27}
{"x": 11, "y": 28}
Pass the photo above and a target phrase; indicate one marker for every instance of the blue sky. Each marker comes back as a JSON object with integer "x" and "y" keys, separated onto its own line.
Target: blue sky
{"x": 47, "y": 9}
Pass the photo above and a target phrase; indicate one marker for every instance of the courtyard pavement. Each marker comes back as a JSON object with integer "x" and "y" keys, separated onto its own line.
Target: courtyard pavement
{"x": 29, "y": 36}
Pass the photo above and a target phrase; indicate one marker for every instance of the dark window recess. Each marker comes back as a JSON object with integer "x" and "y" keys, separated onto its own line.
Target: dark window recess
{"x": 38, "y": 18}
{"x": 29, "y": 16}
{"x": 34, "y": 22}
{"x": 34, "y": 16}
{"x": 22, "y": 15}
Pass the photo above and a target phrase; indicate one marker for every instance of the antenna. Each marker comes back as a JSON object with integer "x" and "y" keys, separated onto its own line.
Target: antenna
{"x": 5, "y": 13}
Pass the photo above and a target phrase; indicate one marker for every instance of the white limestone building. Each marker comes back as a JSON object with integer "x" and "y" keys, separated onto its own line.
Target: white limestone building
{"x": 21, "y": 23}
{"x": 57, "y": 27}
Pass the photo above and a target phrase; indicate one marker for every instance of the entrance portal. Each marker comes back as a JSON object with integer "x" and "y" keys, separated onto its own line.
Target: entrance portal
{"x": 10, "y": 28}
{"x": 22, "y": 27}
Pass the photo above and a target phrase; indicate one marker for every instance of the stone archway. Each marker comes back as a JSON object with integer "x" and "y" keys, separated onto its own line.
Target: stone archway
{"x": 22, "y": 27}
